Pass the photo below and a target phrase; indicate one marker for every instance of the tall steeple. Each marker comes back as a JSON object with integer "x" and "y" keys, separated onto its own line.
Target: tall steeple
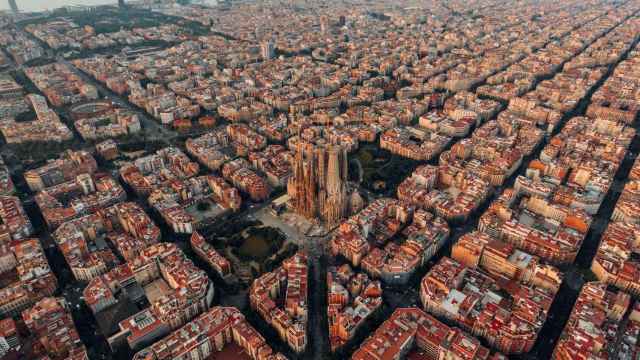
{"x": 318, "y": 185}
{"x": 13, "y": 6}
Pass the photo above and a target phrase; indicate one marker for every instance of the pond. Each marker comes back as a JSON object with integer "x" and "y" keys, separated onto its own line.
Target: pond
{"x": 260, "y": 243}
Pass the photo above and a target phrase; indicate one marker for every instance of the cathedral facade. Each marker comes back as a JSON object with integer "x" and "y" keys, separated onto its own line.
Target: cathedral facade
{"x": 318, "y": 187}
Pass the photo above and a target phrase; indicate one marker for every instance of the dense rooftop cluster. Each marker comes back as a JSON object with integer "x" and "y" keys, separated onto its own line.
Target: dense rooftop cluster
{"x": 288, "y": 315}
{"x": 449, "y": 192}
{"x": 15, "y": 224}
{"x": 616, "y": 262}
{"x": 51, "y": 332}
{"x": 176, "y": 289}
{"x": 6, "y": 184}
{"x": 150, "y": 172}
{"x": 84, "y": 241}
{"x": 60, "y": 84}
{"x": 364, "y": 239}
{"x": 604, "y": 324}
{"x": 65, "y": 34}
{"x": 508, "y": 316}
{"x": 102, "y": 120}
{"x": 66, "y": 167}
{"x": 30, "y": 277}
{"x": 21, "y": 48}
{"x": 504, "y": 261}
{"x": 12, "y": 101}
{"x": 410, "y": 327}
{"x": 442, "y": 163}
{"x": 352, "y": 298}
{"x": 208, "y": 253}
{"x": 566, "y": 185}
{"x": 258, "y": 170}
{"x": 46, "y": 127}
{"x": 83, "y": 195}
{"x": 44, "y": 331}
{"x": 210, "y": 333}
{"x": 175, "y": 200}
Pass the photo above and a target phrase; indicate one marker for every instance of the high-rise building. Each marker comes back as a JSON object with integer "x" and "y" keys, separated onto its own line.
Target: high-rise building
{"x": 324, "y": 24}
{"x": 268, "y": 50}
{"x": 13, "y": 6}
{"x": 318, "y": 188}
{"x": 121, "y": 3}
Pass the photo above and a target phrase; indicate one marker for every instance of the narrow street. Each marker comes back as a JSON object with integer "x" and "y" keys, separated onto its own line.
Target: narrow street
{"x": 324, "y": 84}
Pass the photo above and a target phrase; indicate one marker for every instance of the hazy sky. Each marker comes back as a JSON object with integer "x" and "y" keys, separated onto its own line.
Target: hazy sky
{"x": 35, "y": 5}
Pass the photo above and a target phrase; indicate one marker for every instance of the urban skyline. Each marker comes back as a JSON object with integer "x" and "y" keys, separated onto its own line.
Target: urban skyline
{"x": 321, "y": 180}
{"x": 36, "y": 5}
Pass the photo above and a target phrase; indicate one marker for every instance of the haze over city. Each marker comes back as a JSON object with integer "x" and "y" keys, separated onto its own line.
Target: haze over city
{"x": 42, "y": 5}
{"x": 320, "y": 180}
